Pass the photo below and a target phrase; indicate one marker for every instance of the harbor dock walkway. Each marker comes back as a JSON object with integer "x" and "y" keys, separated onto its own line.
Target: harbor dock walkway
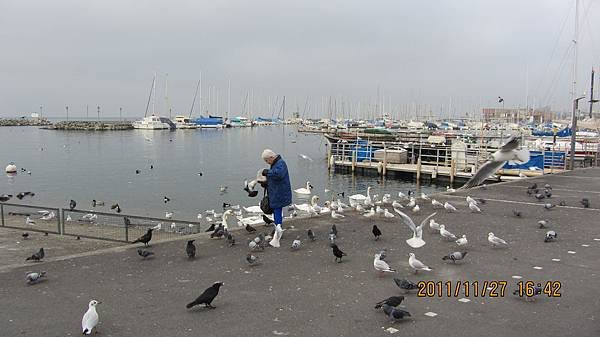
{"x": 306, "y": 293}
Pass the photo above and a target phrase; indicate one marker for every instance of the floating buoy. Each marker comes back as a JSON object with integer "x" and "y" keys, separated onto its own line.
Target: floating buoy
{"x": 11, "y": 168}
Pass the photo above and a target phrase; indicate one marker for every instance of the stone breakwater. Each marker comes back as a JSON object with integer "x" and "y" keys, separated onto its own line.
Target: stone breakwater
{"x": 24, "y": 122}
{"x": 91, "y": 126}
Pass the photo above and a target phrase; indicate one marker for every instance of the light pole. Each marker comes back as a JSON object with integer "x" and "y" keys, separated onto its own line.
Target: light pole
{"x": 120, "y": 114}
{"x": 574, "y": 130}
{"x": 67, "y": 108}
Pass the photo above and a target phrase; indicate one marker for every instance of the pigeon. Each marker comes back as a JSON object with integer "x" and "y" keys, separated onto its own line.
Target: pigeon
{"x": 393, "y": 301}
{"x": 311, "y": 235}
{"x": 219, "y": 232}
{"x": 72, "y": 204}
{"x": 434, "y": 225}
{"x": 250, "y": 229}
{"x": 33, "y": 277}
{"x": 436, "y": 203}
{"x": 539, "y": 196}
{"x": 446, "y": 234}
{"x": 145, "y": 239}
{"x": 25, "y": 236}
{"x": 416, "y": 264}
{"x": 376, "y": 232}
{"x": 267, "y": 220}
{"x": 508, "y": 152}
{"x": 549, "y": 206}
{"x": 37, "y": 256}
{"x": 406, "y": 285}
{"x": 230, "y": 239}
{"x": 473, "y": 207}
{"x": 395, "y": 313}
{"x": 550, "y": 236}
{"x": 547, "y": 193}
{"x": 562, "y": 203}
{"x": 251, "y": 259}
{"x": 144, "y": 253}
{"x": 462, "y": 241}
{"x": 166, "y": 199}
{"x": 211, "y": 228}
{"x": 249, "y": 188}
{"x": 296, "y": 243}
{"x": 207, "y": 296}
{"x": 449, "y": 207}
{"x": 516, "y": 213}
{"x": 382, "y": 266}
{"x": 542, "y": 223}
{"x": 494, "y": 240}
{"x": 337, "y": 253}
{"x": 533, "y": 187}
{"x": 190, "y": 249}
{"x": 417, "y": 240}
{"x": 585, "y": 202}
{"x": 116, "y": 207}
{"x": 90, "y": 318}
{"x": 455, "y": 256}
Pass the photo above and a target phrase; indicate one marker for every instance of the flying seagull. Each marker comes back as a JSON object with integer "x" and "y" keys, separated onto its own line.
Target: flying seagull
{"x": 417, "y": 240}
{"x": 508, "y": 152}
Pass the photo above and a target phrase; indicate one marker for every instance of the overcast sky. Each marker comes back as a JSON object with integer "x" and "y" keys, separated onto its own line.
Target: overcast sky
{"x": 77, "y": 53}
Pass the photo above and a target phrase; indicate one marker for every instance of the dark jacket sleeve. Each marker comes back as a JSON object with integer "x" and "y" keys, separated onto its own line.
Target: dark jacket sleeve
{"x": 278, "y": 171}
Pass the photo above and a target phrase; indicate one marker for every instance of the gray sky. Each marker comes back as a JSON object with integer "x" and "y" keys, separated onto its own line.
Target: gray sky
{"x": 57, "y": 53}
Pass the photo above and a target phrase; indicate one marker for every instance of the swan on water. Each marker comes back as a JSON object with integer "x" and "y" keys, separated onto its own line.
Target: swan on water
{"x": 304, "y": 190}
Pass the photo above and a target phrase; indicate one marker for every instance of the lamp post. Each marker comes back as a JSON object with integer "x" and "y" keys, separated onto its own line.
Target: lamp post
{"x": 574, "y": 130}
{"x": 120, "y": 114}
{"x": 67, "y": 109}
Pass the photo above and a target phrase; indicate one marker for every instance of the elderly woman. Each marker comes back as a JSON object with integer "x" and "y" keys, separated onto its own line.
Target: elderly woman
{"x": 279, "y": 190}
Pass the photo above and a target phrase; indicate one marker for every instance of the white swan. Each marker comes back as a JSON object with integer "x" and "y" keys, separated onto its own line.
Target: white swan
{"x": 304, "y": 190}
{"x": 224, "y": 218}
{"x": 251, "y": 220}
{"x": 358, "y": 198}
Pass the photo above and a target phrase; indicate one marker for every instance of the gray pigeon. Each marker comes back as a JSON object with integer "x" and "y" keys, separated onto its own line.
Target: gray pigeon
{"x": 144, "y": 253}
{"x": 311, "y": 235}
{"x": 542, "y": 223}
{"x": 405, "y": 284}
{"x": 585, "y": 202}
{"x": 37, "y": 256}
{"x": 395, "y": 313}
{"x": 549, "y": 206}
{"x": 455, "y": 256}
{"x": 252, "y": 260}
{"x": 33, "y": 278}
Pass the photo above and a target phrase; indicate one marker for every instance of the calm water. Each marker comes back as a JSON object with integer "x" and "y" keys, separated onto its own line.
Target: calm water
{"x": 101, "y": 165}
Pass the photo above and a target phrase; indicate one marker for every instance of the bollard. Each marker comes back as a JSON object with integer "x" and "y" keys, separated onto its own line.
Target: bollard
{"x": 452, "y": 171}
{"x": 419, "y": 169}
{"x": 353, "y": 160}
{"x": 2, "y": 213}
{"x": 384, "y": 159}
{"x": 329, "y": 157}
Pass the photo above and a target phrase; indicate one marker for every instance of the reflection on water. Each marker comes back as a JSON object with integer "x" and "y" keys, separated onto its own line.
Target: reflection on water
{"x": 83, "y": 166}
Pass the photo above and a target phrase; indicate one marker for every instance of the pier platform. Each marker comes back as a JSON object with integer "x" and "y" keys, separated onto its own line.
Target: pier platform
{"x": 306, "y": 293}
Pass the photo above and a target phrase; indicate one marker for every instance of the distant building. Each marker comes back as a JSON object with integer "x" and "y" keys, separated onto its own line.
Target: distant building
{"x": 515, "y": 115}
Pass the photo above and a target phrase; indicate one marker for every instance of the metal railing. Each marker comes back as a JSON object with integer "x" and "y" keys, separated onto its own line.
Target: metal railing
{"x": 94, "y": 224}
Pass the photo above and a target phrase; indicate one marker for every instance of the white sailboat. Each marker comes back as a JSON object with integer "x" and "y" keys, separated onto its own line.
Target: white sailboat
{"x": 152, "y": 122}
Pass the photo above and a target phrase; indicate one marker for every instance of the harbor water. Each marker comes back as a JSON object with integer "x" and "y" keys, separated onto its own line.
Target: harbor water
{"x": 84, "y": 166}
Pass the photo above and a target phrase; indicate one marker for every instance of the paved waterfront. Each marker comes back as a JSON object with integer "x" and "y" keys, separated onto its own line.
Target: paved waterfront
{"x": 305, "y": 293}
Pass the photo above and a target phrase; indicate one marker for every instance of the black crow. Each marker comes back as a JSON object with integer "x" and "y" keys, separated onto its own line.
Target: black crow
{"x": 190, "y": 249}
{"x": 145, "y": 239}
{"x": 207, "y": 296}
{"x": 337, "y": 253}
{"x": 376, "y": 232}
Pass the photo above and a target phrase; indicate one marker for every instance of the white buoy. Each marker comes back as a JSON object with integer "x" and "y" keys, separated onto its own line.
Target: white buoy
{"x": 11, "y": 168}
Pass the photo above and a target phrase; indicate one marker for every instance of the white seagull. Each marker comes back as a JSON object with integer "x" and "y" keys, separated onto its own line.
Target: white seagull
{"x": 494, "y": 240}
{"x": 416, "y": 209}
{"x": 474, "y": 208}
{"x": 416, "y": 264}
{"x": 508, "y": 152}
{"x": 396, "y": 204}
{"x": 387, "y": 213}
{"x": 434, "y": 225}
{"x": 462, "y": 241}
{"x": 370, "y": 213}
{"x": 382, "y": 266}
{"x": 449, "y": 207}
{"x": 446, "y": 234}
{"x": 436, "y": 203}
{"x": 417, "y": 240}
{"x": 90, "y": 318}
{"x": 336, "y": 215}
{"x": 471, "y": 200}
{"x": 425, "y": 196}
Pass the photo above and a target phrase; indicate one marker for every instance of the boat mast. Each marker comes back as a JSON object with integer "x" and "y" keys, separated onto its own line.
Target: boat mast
{"x": 147, "y": 103}
{"x": 228, "y": 98}
{"x": 154, "y": 94}
{"x": 167, "y": 94}
{"x": 194, "y": 100}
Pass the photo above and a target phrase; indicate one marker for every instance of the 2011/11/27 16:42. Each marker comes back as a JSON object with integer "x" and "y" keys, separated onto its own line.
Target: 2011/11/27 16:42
{"x": 489, "y": 288}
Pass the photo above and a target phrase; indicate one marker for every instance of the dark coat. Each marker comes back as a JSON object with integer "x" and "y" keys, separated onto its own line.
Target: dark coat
{"x": 279, "y": 188}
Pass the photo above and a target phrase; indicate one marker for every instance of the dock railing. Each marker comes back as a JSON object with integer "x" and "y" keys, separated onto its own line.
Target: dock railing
{"x": 93, "y": 224}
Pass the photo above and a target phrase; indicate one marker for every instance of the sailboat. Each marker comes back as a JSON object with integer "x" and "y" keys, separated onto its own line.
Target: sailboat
{"x": 153, "y": 122}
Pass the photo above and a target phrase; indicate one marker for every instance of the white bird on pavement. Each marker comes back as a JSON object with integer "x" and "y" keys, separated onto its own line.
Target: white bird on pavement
{"x": 450, "y": 190}
{"x": 370, "y": 213}
{"x": 449, "y": 207}
{"x": 425, "y": 196}
{"x": 494, "y": 240}
{"x": 387, "y": 213}
{"x": 462, "y": 241}
{"x": 446, "y": 234}
{"x": 382, "y": 266}
{"x": 434, "y": 225}
{"x": 436, "y": 203}
{"x": 360, "y": 208}
{"x": 412, "y": 202}
{"x": 471, "y": 200}
{"x": 336, "y": 215}
{"x": 474, "y": 208}
{"x": 416, "y": 264}
{"x": 396, "y": 204}
{"x": 402, "y": 195}
{"x": 416, "y": 209}
{"x": 29, "y": 221}
{"x": 90, "y": 318}
{"x": 379, "y": 210}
